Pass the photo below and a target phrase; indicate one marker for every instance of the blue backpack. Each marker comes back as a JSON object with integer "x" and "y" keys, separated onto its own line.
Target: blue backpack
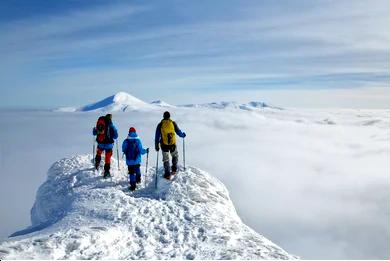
{"x": 132, "y": 151}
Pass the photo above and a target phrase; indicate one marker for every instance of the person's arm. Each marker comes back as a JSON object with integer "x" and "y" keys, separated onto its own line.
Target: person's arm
{"x": 114, "y": 131}
{"x": 140, "y": 148}
{"x": 178, "y": 131}
{"x": 157, "y": 137}
{"x": 124, "y": 146}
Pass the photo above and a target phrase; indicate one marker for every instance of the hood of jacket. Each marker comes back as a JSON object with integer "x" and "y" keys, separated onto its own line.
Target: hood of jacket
{"x": 132, "y": 135}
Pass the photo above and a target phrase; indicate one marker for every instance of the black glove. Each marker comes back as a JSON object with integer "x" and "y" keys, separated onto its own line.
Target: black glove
{"x": 157, "y": 147}
{"x": 147, "y": 150}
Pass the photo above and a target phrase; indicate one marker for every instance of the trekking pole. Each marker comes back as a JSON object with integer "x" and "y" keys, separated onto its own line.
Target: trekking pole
{"x": 123, "y": 155}
{"x": 184, "y": 153}
{"x": 146, "y": 168}
{"x": 117, "y": 155}
{"x": 93, "y": 151}
{"x": 155, "y": 184}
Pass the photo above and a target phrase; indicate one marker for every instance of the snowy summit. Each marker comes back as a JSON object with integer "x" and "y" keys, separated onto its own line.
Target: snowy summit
{"x": 79, "y": 215}
{"x": 121, "y": 101}
{"x": 162, "y": 104}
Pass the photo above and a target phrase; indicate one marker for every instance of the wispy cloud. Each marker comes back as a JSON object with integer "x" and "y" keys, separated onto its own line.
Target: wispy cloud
{"x": 326, "y": 44}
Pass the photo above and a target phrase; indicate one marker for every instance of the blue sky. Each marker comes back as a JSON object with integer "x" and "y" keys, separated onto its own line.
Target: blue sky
{"x": 289, "y": 53}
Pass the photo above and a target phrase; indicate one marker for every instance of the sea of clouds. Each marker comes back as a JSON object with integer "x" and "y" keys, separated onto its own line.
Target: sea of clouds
{"x": 314, "y": 182}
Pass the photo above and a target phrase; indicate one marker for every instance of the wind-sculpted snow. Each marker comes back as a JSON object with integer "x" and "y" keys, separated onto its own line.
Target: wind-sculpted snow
{"x": 79, "y": 215}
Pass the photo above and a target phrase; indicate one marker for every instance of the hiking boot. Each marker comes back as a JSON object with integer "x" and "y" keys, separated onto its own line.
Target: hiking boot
{"x": 167, "y": 175}
{"x": 132, "y": 186}
{"x": 106, "y": 174}
{"x": 174, "y": 169}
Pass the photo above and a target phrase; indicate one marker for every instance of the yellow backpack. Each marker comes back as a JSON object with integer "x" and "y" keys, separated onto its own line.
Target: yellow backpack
{"x": 168, "y": 132}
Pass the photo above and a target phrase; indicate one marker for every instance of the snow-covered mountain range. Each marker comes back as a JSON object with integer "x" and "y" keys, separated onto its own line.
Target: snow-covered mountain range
{"x": 79, "y": 215}
{"x": 232, "y": 105}
{"x": 123, "y": 101}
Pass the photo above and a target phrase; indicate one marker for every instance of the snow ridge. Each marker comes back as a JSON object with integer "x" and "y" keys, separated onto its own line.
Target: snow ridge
{"x": 79, "y": 215}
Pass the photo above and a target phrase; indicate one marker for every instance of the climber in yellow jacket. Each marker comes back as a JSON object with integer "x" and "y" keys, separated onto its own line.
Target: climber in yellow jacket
{"x": 166, "y": 138}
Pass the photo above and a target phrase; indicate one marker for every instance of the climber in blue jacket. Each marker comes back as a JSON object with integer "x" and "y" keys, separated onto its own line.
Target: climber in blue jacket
{"x": 132, "y": 148}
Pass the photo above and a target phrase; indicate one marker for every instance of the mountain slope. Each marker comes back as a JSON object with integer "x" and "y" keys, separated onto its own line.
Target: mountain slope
{"x": 121, "y": 101}
{"x": 78, "y": 215}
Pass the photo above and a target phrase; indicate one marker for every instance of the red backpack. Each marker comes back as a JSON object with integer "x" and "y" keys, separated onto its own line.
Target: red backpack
{"x": 101, "y": 129}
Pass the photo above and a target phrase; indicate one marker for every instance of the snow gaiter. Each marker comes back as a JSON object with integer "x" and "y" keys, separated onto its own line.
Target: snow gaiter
{"x": 98, "y": 158}
{"x": 167, "y": 165}
{"x": 175, "y": 160}
{"x": 167, "y": 169}
{"x": 107, "y": 168}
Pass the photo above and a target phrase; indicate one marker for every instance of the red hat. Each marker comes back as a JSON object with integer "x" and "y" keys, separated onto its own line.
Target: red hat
{"x": 132, "y": 129}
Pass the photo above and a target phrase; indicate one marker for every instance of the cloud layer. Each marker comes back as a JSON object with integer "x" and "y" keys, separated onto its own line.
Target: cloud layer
{"x": 314, "y": 182}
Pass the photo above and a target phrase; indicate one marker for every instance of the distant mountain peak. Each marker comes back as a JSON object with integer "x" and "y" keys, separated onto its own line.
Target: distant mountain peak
{"x": 122, "y": 97}
{"x": 121, "y": 101}
{"x": 253, "y": 105}
{"x": 161, "y": 103}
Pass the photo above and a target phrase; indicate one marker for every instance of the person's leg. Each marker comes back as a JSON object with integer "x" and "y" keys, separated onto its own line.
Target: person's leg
{"x": 107, "y": 162}
{"x": 137, "y": 173}
{"x": 167, "y": 165}
{"x": 165, "y": 159}
{"x": 132, "y": 181}
{"x": 98, "y": 157}
{"x": 175, "y": 158}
